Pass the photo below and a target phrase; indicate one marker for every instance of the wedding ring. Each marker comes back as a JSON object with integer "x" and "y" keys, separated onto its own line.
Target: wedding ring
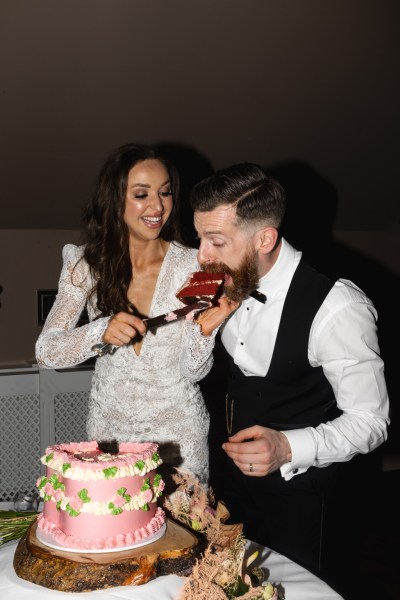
{"x": 251, "y": 467}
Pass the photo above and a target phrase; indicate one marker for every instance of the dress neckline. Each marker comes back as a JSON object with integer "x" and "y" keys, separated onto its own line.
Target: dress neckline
{"x": 155, "y": 296}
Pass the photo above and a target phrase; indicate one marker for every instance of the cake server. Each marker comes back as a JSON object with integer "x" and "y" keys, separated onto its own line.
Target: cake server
{"x": 158, "y": 321}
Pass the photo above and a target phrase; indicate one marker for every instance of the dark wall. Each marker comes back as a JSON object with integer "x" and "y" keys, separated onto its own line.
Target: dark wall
{"x": 269, "y": 81}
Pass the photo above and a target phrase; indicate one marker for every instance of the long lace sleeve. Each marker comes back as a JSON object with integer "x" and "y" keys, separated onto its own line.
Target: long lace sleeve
{"x": 197, "y": 357}
{"x": 61, "y": 343}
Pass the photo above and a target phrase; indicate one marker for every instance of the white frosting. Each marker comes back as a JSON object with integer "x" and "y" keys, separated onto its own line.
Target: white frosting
{"x": 85, "y": 474}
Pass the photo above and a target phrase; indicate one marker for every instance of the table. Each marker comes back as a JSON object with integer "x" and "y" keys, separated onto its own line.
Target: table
{"x": 298, "y": 583}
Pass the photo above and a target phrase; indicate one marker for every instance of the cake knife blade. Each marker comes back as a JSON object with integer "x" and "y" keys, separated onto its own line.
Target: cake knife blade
{"x": 158, "y": 321}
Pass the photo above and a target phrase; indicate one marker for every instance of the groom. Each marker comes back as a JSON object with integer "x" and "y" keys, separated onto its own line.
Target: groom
{"x": 306, "y": 395}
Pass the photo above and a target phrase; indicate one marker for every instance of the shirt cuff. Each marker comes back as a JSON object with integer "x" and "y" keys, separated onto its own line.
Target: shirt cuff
{"x": 303, "y": 452}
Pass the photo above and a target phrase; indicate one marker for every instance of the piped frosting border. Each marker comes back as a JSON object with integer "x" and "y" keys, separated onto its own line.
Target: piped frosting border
{"x": 120, "y": 540}
{"x": 134, "y": 459}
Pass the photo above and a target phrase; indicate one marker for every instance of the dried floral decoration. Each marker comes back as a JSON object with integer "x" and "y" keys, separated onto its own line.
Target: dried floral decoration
{"x": 221, "y": 573}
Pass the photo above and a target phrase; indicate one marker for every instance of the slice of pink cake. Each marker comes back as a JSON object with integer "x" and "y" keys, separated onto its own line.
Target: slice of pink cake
{"x": 96, "y": 500}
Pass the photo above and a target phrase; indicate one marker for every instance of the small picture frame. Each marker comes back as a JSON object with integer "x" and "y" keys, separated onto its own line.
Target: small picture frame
{"x": 45, "y": 300}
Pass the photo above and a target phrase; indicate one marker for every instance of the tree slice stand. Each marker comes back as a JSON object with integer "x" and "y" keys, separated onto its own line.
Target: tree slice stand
{"x": 175, "y": 553}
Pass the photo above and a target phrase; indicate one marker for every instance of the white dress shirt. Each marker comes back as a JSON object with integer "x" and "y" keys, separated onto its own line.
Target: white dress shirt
{"x": 343, "y": 341}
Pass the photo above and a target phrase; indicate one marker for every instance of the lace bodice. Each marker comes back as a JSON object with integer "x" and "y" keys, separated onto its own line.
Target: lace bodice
{"x": 148, "y": 397}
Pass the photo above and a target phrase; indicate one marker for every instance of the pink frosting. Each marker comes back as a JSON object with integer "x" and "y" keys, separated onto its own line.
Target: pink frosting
{"x": 82, "y": 536}
{"x": 85, "y": 524}
{"x": 171, "y": 316}
{"x": 129, "y": 454}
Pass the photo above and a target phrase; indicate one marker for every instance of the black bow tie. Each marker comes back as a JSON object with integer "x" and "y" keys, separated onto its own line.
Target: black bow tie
{"x": 259, "y": 296}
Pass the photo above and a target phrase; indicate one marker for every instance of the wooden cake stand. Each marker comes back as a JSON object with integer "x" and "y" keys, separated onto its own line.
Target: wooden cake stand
{"x": 175, "y": 552}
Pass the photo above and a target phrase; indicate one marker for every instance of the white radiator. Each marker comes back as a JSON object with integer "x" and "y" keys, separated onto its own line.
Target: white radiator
{"x": 38, "y": 407}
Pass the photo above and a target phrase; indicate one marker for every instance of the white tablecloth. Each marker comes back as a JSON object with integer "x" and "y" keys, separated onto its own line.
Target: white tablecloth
{"x": 298, "y": 583}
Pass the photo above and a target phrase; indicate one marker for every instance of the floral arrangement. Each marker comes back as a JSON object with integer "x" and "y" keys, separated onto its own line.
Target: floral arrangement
{"x": 222, "y": 573}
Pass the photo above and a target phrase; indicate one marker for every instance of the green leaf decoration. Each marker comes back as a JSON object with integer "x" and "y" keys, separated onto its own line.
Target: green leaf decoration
{"x": 71, "y": 511}
{"x": 146, "y": 485}
{"x": 156, "y": 480}
{"x": 43, "y": 481}
{"x": 46, "y": 497}
{"x": 139, "y": 465}
{"x": 53, "y": 479}
{"x": 83, "y": 495}
{"x": 156, "y": 457}
{"x": 127, "y": 497}
{"x": 65, "y": 467}
{"x": 49, "y": 457}
{"x": 58, "y": 505}
{"x": 121, "y": 491}
{"x": 110, "y": 472}
{"x": 59, "y": 486}
{"x": 144, "y": 507}
{"x": 114, "y": 509}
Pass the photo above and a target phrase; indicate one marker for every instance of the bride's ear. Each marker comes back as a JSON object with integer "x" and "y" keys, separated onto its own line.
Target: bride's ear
{"x": 266, "y": 240}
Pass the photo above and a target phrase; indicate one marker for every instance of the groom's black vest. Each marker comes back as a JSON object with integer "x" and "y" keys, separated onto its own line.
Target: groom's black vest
{"x": 292, "y": 394}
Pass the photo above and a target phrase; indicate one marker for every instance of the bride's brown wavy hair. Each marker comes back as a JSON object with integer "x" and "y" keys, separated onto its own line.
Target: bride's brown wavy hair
{"x": 105, "y": 232}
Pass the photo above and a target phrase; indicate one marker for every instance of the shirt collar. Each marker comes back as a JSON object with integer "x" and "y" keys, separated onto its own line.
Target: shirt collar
{"x": 280, "y": 276}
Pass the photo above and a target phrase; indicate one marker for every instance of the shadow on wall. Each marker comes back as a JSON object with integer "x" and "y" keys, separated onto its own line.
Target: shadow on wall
{"x": 311, "y": 209}
{"x": 192, "y": 167}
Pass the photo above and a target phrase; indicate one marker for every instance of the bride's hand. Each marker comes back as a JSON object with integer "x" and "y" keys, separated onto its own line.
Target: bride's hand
{"x": 122, "y": 328}
{"x": 212, "y": 317}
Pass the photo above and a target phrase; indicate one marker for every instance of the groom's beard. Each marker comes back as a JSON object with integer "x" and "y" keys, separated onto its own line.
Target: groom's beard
{"x": 244, "y": 279}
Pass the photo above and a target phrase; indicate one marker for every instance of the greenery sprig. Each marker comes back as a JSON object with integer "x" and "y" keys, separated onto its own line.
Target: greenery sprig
{"x": 13, "y": 524}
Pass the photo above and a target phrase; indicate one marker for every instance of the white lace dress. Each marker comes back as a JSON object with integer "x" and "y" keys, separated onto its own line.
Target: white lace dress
{"x": 148, "y": 397}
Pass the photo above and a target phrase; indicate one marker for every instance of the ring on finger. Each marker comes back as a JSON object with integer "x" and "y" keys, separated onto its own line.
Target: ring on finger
{"x": 251, "y": 468}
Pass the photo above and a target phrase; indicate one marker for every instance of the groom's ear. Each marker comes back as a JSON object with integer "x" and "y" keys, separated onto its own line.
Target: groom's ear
{"x": 266, "y": 240}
